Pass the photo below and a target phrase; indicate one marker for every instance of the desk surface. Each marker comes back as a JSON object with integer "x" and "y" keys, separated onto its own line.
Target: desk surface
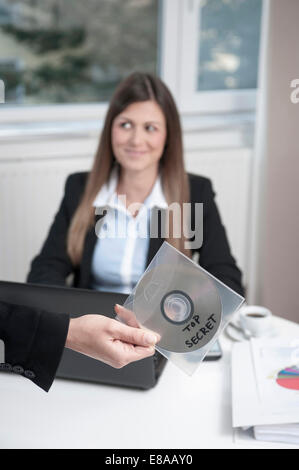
{"x": 180, "y": 412}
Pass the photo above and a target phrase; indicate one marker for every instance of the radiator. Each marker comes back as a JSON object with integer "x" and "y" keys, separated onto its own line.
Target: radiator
{"x": 230, "y": 173}
{"x": 30, "y": 194}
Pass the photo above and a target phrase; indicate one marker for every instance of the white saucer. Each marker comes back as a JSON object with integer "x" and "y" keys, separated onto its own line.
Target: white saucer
{"x": 235, "y": 333}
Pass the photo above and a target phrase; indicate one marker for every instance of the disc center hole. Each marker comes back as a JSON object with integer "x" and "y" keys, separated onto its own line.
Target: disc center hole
{"x": 177, "y": 307}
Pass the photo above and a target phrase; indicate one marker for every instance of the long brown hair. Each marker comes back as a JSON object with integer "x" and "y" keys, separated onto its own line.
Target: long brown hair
{"x": 136, "y": 88}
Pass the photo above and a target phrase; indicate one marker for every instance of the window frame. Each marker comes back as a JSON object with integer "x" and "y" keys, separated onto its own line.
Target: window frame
{"x": 43, "y": 113}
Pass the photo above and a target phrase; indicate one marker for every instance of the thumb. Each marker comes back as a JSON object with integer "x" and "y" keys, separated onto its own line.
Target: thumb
{"x": 127, "y": 315}
{"x": 136, "y": 336}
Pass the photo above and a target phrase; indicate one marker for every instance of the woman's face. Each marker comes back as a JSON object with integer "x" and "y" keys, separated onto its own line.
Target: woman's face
{"x": 139, "y": 135}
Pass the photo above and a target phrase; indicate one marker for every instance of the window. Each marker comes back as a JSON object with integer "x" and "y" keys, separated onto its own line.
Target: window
{"x": 217, "y": 44}
{"x": 74, "y": 52}
{"x": 228, "y": 44}
{"x": 62, "y": 51}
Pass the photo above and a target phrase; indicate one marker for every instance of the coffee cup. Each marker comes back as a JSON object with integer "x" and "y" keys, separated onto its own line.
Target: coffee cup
{"x": 255, "y": 320}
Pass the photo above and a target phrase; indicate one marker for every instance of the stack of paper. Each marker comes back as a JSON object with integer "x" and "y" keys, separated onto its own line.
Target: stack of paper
{"x": 288, "y": 433}
{"x": 265, "y": 388}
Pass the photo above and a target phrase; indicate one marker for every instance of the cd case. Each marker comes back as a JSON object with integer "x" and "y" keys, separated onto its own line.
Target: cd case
{"x": 184, "y": 304}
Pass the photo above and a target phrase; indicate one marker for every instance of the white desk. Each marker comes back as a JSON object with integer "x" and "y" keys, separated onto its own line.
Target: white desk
{"x": 180, "y": 412}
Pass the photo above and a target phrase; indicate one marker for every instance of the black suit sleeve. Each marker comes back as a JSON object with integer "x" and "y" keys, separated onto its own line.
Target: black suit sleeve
{"x": 215, "y": 255}
{"x": 53, "y": 265}
{"x": 34, "y": 341}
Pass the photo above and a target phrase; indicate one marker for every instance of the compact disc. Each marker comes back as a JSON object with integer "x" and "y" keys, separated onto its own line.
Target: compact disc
{"x": 181, "y": 303}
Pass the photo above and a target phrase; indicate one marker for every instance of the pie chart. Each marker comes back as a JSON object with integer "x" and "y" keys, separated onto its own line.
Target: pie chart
{"x": 289, "y": 378}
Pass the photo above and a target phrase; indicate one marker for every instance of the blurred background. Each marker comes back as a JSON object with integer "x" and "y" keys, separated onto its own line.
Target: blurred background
{"x": 232, "y": 67}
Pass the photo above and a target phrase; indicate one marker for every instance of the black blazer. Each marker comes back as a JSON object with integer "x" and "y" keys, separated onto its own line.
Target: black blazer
{"x": 34, "y": 342}
{"x": 52, "y": 265}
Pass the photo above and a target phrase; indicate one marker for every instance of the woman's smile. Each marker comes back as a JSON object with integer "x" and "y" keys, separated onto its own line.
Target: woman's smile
{"x": 134, "y": 152}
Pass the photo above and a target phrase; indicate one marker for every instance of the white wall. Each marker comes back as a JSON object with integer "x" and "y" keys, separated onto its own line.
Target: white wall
{"x": 279, "y": 263}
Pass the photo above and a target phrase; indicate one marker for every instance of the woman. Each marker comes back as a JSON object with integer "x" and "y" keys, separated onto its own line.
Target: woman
{"x": 139, "y": 161}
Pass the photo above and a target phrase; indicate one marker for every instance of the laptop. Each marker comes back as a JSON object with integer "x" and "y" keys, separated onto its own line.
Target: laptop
{"x": 142, "y": 374}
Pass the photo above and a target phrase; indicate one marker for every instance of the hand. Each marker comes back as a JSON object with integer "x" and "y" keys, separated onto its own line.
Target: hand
{"x": 109, "y": 340}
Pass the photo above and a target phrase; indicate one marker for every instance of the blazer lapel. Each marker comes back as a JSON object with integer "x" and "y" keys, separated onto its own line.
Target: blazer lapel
{"x": 156, "y": 239}
{"x": 154, "y": 245}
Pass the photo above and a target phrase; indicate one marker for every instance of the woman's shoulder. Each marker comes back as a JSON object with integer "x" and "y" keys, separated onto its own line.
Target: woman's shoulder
{"x": 73, "y": 190}
{"x": 76, "y": 181}
{"x": 200, "y": 185}
{"x": 198, "y": 179}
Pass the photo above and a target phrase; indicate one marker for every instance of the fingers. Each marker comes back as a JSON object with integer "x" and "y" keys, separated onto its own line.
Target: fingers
{"x": 110, "y": 341}
{"x": 129, "y": 317}
{"x": 136, "y": 354}
{"x": 142, "y": 352}
{"x": 136, "y": 336}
